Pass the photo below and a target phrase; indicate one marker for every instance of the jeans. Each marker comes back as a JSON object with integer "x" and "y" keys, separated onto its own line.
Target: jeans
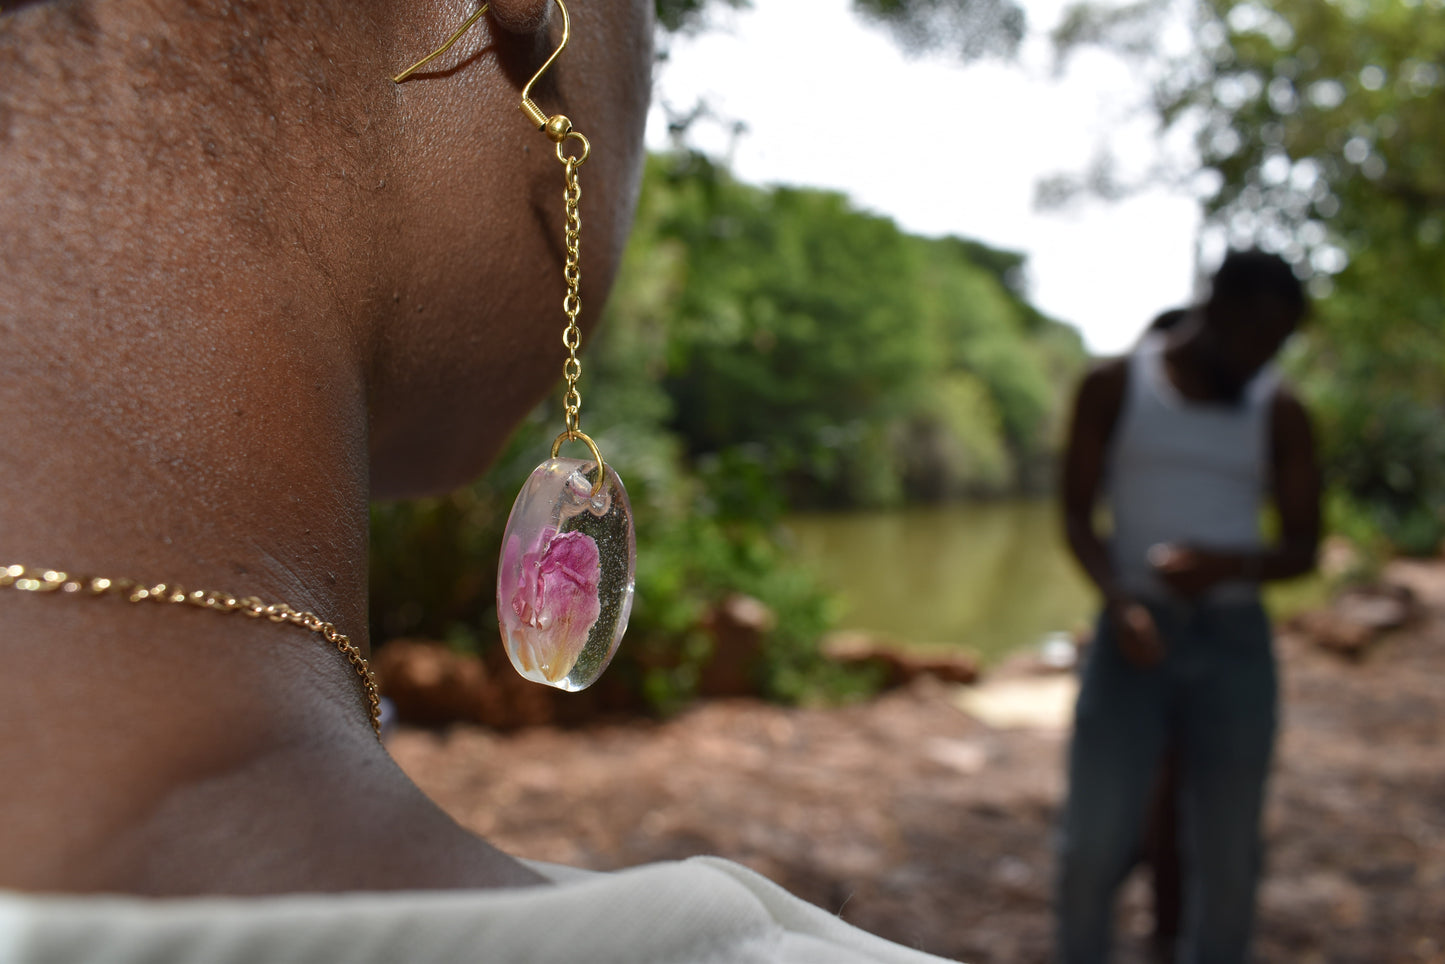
{"x": 1214, "y": 696}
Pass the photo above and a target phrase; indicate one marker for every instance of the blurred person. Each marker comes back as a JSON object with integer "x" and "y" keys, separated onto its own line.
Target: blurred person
{"x": 1189, "y": 437}
{"x": 247, "y": 284}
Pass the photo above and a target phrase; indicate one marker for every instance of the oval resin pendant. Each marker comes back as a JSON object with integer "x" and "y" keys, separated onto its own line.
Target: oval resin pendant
{"x": 564, "y": 587}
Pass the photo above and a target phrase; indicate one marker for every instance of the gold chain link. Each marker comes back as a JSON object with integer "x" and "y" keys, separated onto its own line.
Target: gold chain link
{"x": 572, "y": 301}
{"x": 53, "y": 580}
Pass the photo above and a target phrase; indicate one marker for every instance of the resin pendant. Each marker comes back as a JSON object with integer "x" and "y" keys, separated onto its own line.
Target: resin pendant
{"x": 564, "y": 588}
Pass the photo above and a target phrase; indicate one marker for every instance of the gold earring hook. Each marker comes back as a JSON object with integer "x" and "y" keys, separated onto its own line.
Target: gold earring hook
{"x": 443, "y": 48}
{"x": 531, "y": 109}
{"x": 557, "y": 127}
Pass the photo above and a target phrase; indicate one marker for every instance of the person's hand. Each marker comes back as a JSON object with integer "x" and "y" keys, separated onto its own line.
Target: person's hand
{"x": 1135, "y": 633}
{"x": 1191, "y": 572}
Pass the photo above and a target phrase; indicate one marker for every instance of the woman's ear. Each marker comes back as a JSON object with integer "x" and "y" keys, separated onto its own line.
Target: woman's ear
{"x": 521, "y": 16}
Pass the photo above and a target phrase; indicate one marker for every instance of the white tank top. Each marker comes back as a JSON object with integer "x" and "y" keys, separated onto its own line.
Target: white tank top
{"x": 1185, "y": 472}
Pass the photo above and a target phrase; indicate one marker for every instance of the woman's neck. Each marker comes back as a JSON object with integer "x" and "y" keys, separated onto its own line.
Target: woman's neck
{"x": 165, "y": 749}
{"x": 233, "y": 463}
{"x": 168, "y": 749}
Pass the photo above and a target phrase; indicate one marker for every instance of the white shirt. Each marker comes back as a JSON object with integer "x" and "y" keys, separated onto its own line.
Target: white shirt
{"x": 1185, "y": 472}
{"x": 700, "y": 911}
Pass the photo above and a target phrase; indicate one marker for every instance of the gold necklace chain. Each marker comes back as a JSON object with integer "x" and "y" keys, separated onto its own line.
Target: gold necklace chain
{"x": 34, "y": 580}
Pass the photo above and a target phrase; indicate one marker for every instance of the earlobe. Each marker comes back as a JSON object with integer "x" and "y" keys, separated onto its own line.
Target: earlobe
{"x": 521, "y": 16}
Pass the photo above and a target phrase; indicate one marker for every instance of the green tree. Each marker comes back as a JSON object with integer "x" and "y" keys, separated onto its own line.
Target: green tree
{"x": 824, "y": 348}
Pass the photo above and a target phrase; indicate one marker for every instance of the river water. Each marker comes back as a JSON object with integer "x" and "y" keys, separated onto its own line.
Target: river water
{"x": 989, "y": 577}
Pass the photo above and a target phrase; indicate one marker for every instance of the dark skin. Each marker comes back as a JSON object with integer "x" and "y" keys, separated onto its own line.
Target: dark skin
{"x": 249, "y": 284}
{"x": 1209, "y": 359}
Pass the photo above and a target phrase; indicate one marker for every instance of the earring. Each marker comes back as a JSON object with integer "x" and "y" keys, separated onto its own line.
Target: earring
{"x": 569, "y": 552}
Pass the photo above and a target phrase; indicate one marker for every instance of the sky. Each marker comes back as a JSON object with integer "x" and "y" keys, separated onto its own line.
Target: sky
{"x": 943, "y": 148}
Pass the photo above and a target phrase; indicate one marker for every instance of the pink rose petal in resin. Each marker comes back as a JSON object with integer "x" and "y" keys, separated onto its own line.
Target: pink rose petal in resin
{"x": 558, "y": 595}
{"x": 563, "y": 601}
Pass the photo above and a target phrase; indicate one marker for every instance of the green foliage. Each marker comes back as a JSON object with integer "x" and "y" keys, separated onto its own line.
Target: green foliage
{"x": 1321, "y": 124}
{"x": 762, "y": 350}
{"x": 967, "y": 29}
{"x": 823, "y": 352}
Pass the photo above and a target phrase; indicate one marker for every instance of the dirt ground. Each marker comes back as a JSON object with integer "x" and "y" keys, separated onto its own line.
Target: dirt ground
{"x": 919, "y": 822}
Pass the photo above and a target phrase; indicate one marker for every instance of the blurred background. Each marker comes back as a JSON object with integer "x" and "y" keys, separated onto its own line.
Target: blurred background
{"x": 878, "y": 243}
